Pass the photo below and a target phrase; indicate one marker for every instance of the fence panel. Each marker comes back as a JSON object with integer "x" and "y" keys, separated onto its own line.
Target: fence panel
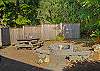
{"x": 32, "y": 31}
{"x": 71, "y": 31}
{"x": 45, "y": 32}
{"x": 13, "y": 35}
{"x": 48, "y": 32}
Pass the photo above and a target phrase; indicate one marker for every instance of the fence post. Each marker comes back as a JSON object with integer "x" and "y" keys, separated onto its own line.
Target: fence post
{"x": 23, "y": 32}
{"x": 42, "y": 31}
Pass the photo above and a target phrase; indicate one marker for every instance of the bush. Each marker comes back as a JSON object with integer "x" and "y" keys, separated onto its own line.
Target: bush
{"x": 60, "y": 38}
{"x": 88, "y": 29}
{"x": 96, "y": 36}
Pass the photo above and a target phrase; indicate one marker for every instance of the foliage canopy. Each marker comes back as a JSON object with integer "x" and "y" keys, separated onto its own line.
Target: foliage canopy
{"x": 30, "y": 12}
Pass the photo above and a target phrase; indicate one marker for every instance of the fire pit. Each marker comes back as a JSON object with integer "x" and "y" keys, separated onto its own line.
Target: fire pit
{"x": 68, "y": 50}
{"x": 61, "y": 49}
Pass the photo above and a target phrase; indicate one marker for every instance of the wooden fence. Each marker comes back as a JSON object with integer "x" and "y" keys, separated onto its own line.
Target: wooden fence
{"x": 71, "y": 31}
{"x": 44, "y": 32}
{"x": 25, "y": 32}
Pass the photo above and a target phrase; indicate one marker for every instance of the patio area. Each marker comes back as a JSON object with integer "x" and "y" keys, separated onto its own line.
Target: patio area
{"x": 50, "y": 56}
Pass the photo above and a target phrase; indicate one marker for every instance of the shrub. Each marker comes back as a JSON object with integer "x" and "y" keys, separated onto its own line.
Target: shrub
{"x": 60, "y": 37}
{"x": 96, "y": 36}
{"x": 87, "y": 29}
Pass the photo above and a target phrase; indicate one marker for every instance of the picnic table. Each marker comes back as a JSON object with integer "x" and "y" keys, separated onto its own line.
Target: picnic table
{"x": 24, "y": 43}
{"x": 29, "y": 43}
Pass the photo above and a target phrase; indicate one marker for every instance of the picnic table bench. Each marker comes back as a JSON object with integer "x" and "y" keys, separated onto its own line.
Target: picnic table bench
{"x": 32, "y": 43}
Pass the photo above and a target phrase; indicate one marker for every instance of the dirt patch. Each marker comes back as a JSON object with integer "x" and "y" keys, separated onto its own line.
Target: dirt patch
{"x": 30, "y": 57}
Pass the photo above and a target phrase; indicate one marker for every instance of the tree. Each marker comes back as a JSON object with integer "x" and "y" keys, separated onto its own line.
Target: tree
{"x": 8, "y": 13}
{"x": 11, "y": 10}
{"x": 28, "y": 9}
{"x": 20, "y": 21}
{"x": 57, "y": 11}
{"x": 90, "y": 16}
{"x": 49, "y": 11}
